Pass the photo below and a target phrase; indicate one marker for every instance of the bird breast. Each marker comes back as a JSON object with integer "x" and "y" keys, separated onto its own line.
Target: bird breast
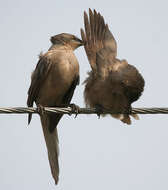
{"x": 64, "y": 70}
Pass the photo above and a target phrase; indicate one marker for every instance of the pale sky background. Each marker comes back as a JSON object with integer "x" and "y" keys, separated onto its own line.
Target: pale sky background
{"x": 94, "y": 153}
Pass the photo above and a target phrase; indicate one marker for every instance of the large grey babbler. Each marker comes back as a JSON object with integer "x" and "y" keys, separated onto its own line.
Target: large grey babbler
{"x": 112, "y": 84}
{"x": 52, "y": 84}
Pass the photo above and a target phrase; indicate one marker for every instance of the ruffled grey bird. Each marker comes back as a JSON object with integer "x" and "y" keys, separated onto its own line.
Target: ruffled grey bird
{"x": 112, "y": 84}
{"x": 52, "y": 84}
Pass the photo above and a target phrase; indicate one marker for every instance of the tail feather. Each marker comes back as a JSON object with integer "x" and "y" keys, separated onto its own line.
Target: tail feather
{"x": 126, "y": 119}
{"x": 51, "y": 140}
{"x": 135, "y": 116}
{"x": 123, "y": 117}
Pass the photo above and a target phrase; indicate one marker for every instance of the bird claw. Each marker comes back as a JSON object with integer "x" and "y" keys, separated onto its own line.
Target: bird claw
{"x": 75, "y": 109}
{"x": 99, "y": 110}
{"x": 98, "y": 115}
{"x": 128, "y": 110}
{"x": 40, "y": 109}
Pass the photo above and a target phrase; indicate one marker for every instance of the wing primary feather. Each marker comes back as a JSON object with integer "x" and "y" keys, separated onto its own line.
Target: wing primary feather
{"x": 86, "y": 42}
{"x": 87, "y": 26}
{"x": 95, "y": 25}
{"x": 97, "y": 37}
{"x": 83, "y": 36}
{"x": 102, "y": 28}
{"x": 99, "y": 25}
{"x": 91, "y": 17}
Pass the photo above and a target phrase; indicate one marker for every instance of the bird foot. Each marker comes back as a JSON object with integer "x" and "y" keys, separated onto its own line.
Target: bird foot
{"x": 99, "y": 110}
{"x": 130, "y": 110}
{"x": 40, "y": 109}
{"x": 75, "y": 109}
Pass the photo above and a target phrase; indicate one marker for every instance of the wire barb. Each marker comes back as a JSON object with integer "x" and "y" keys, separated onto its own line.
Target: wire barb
{"x": 69, "y": 110}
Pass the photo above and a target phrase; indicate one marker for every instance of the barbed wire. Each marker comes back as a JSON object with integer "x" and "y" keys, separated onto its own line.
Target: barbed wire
{"x": 70, "y": 110}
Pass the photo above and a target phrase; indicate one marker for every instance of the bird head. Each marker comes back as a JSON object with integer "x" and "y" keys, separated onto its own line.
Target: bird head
{"x": 67, "y": 39}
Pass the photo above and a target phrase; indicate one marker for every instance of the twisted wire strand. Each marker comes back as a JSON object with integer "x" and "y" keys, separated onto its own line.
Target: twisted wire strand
{"x": 70, "y": 110}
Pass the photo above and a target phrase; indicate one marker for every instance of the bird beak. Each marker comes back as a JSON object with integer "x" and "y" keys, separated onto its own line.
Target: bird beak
{"x": 79, "y": 41}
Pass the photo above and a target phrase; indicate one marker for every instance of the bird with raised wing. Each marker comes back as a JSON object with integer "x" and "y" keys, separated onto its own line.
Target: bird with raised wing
{"x": 112, "y": 84}
{"x": 52, "y": 84}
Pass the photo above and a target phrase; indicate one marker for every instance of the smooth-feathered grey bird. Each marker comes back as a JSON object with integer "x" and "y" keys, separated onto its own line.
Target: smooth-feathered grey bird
{"x": 112, "y": 84}
{"x": 52, "y": 84}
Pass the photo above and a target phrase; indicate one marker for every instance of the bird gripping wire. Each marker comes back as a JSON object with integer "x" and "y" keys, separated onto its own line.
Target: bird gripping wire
{"x": 69, "y": 110}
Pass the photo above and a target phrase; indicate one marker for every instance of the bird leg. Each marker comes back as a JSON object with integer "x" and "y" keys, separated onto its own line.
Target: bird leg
{"x": 129, "y": 110}
{"x": 126, "y": 118}
{"x": 75, "y": 109}
{"x": 40, "y": 109}
{"x": 99, "y": 110}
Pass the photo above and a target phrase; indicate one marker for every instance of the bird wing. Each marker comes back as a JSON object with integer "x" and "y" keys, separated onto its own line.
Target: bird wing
{"x": 55, "y": 118}
{"x": 38, "y": 77}
{"x": 97, "y": 38}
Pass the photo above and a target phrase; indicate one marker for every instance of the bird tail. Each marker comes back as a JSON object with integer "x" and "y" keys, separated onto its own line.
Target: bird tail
{"x": 51, "y": 140}
{"x": 122, "y": 117}
{"x": 135, "y": 116}
{"x": 125, "y": 118}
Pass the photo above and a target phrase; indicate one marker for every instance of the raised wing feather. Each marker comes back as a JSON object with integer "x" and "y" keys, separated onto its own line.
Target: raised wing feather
{"x": 97, "y": 37}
